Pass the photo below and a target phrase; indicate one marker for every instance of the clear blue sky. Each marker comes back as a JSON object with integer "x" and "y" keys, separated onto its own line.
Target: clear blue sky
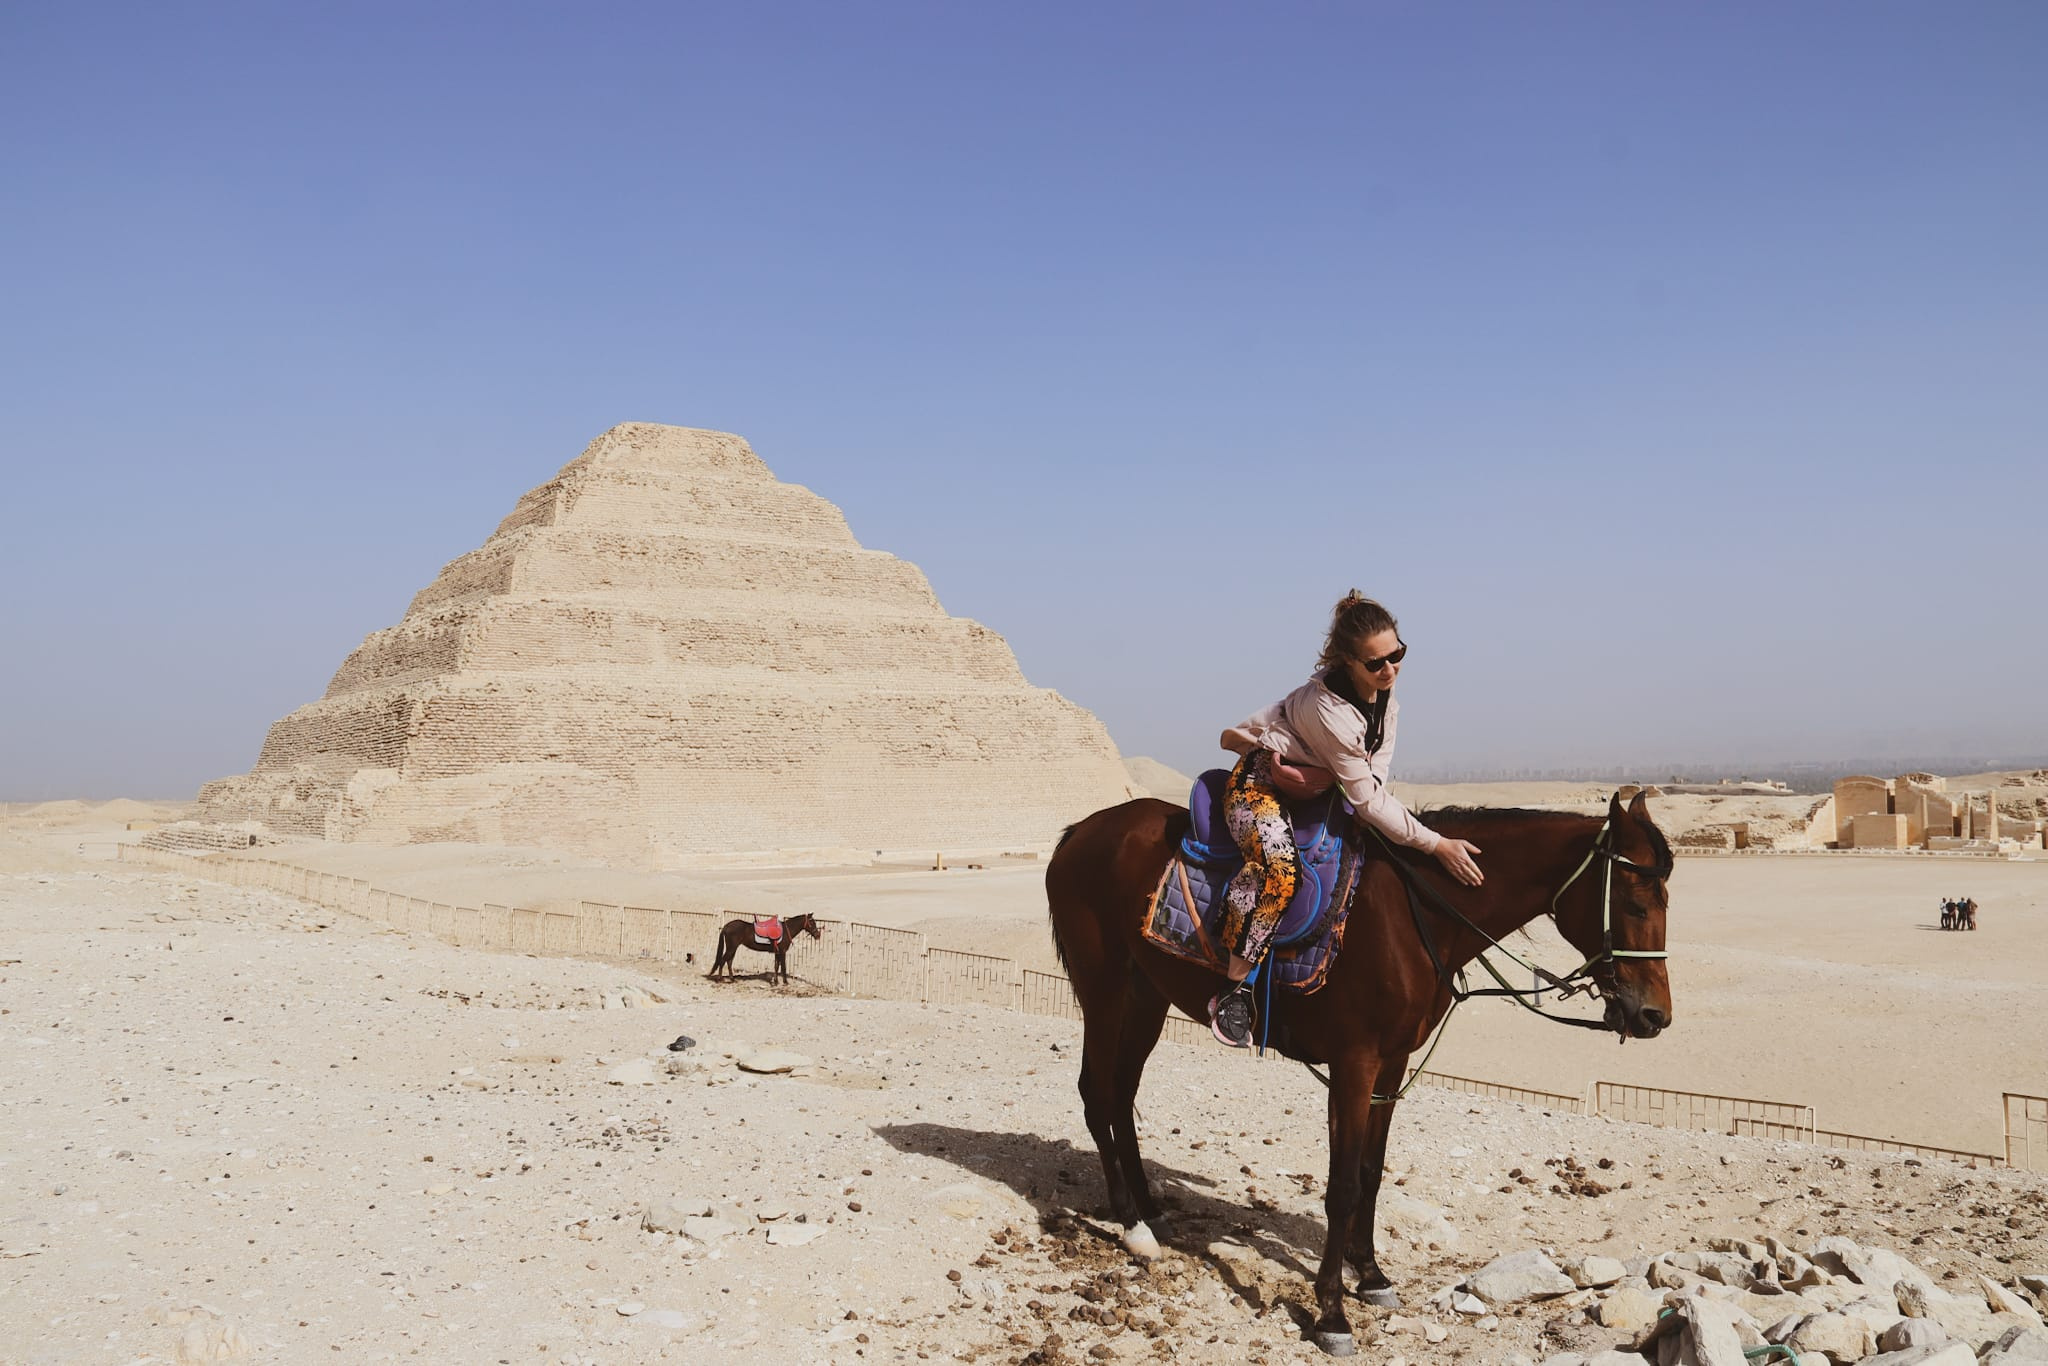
{"x": 1678, "y": 373}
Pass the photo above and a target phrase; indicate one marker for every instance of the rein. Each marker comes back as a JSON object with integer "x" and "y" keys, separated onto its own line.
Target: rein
{"x": 1583, "y": 978}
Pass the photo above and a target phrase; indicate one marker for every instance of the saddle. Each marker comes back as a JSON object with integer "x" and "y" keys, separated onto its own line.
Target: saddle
{"x": 1186, "y": 912}
{"x": 768, "y": 928}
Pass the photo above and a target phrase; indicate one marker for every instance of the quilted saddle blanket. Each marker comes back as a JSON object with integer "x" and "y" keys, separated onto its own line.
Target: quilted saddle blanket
{"x": 1185, "y": 914}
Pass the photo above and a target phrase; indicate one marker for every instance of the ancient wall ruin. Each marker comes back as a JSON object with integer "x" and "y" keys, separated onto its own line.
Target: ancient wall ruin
{"x": 664, "y": 652}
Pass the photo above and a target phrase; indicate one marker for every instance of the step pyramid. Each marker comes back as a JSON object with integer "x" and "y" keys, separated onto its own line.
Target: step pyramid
{"x": 665, "y": 652}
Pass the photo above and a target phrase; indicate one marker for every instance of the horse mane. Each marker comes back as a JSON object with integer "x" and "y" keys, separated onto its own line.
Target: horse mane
{"x": 1479, "y": 818}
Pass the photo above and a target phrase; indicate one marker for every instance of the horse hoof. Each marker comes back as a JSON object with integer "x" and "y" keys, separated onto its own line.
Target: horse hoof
{"x": 1386, "y": 1297}
{"x": 1336, "y": 1344}
{"x": 1140, "y": 1243}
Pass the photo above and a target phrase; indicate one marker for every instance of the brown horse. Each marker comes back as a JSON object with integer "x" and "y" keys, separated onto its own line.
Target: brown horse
{"x": 1603, "y": 882}
{"x": 738, "y": 933}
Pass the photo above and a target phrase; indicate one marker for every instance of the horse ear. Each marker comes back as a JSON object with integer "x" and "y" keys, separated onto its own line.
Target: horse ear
{"x": 1640, "y": 807}
{"x": 1614, "y": 811}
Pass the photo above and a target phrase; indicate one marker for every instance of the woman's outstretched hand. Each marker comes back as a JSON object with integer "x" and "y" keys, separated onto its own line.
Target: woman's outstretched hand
{"x": 1456, "y": 857}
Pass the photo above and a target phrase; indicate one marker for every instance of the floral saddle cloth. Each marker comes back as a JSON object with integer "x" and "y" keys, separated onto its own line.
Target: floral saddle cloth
{"x": 1186, "y": 911}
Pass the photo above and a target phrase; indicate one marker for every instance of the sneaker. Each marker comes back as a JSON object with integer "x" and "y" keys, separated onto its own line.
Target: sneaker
{"x": 1230, "y": 1017}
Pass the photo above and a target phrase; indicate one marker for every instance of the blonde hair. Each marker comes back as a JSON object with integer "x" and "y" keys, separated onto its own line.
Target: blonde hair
{"x": 1356, "y": 619}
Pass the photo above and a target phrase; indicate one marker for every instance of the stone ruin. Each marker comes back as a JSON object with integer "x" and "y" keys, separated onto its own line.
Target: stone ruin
{"x": 665, "y": 652}
{"x": 1917, "y": 811}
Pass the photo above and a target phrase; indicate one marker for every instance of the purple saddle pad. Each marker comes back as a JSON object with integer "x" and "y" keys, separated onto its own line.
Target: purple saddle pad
{"x": 1320, "y": 825}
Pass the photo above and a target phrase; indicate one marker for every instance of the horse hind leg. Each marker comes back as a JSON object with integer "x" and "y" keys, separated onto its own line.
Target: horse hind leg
{"x": 1143, "y": 1017}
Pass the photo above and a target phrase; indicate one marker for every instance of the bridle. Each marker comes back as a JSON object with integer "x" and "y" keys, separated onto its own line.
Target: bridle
{"x": 1595, "y": 977}
{"x": 1603, "y": 849}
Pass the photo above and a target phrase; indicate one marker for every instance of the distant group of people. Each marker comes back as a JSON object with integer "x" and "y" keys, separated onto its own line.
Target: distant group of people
{"x": 1959, "y": 913}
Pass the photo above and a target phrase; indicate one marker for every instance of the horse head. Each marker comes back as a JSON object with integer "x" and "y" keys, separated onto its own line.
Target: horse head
{"x": 1613, "y": 911}
{"x": 809, "y": 925}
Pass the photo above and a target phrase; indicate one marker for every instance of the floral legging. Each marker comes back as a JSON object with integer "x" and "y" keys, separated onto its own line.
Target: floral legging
{"x": 1272, "y": 865}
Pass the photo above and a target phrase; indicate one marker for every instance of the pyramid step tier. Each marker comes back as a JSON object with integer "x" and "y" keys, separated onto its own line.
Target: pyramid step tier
{"x": 585, "y": 635}
{"x": 651, "y": 568}
{"x": 451, "y": 726}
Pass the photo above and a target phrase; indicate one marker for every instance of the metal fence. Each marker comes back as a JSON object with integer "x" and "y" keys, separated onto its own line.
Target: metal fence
{"x": 1695, "y": 1109}
{"x": 2026, "y": 1131}
{"x": 1494, "y": 1090}
{"x": 875, "y": 961}
{"x": 957, "y": 978}
{"x": 1865, "y": 1143}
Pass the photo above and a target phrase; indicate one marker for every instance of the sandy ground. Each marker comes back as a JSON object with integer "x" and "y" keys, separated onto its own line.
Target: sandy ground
{"x": 239, "y": 1113}
{"x": 231, "y": 1107}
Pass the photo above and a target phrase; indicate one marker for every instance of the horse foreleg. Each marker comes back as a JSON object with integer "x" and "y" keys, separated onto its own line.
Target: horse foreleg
{"x": 1373, "y": 1286}
{"x": 1144, "y": 1016}
{"x": 1350, "y": 1110}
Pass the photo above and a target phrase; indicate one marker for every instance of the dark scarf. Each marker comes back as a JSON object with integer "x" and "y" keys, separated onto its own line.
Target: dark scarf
{"x": 1338, "y": 681}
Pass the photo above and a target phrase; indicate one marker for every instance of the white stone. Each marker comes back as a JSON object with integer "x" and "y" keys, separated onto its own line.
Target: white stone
{"x": 1844, "y": 1337}
{"x": 669, "y": 1213}
{"x": 795, "y": 1235}
{"x": 1630, "y": 1309}
{"x": 1414, "y": 1221}
{"x": 769, "y": 1061}
{"x": 629, "y": 1308}
{"x": 2003, "y": 1301}
{"x": 1908, "y": 1333}
{"x": 1708, "y": 1336}
{"x": 1519, "y": 1276}
{"x": 639, "y": 1072}
{"x": 1594, "y": 1271}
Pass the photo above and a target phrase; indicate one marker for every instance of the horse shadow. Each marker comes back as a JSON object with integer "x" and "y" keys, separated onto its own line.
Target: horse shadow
{"x": 1048, "y": 1173}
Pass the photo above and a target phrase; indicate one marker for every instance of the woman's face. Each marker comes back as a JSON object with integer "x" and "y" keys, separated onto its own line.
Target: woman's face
{"x": 1379, "y": 646}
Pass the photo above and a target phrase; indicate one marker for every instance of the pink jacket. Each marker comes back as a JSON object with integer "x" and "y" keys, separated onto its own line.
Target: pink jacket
{"x": 1312, "y": 725}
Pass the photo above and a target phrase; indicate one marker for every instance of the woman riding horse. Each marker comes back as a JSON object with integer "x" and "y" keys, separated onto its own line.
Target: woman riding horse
{"x": 1336, "y": 728}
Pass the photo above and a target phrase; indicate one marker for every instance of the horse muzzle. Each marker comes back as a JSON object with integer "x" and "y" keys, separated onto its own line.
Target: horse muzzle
{"x": 1628, "y": 1015}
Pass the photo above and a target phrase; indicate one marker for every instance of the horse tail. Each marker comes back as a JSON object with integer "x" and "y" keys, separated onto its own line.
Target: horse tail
{"x": 1059, "y": 946}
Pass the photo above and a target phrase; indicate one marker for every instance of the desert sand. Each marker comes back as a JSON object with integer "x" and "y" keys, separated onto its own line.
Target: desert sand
{"x": 241, "y": 1115}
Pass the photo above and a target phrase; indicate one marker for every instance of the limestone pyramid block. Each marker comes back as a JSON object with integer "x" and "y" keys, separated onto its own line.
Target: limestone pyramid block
{"x": 665, "y": 652}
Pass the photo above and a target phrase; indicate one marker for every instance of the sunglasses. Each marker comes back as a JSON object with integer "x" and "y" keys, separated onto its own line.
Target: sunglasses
{"x": 1373, "y": 666}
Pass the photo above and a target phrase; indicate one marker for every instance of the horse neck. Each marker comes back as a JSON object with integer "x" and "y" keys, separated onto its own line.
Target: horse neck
{"x": 1526, "y": 862}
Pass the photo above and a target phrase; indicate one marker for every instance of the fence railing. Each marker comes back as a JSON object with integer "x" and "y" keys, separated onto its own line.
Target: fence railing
{"x": 2026, "y": 1131}
{"x": 1866, "y": 1143}
{"x": 1694, "y": 1109}
{"x": 1526, "y": 1095}
{"x": 855, "y": 959}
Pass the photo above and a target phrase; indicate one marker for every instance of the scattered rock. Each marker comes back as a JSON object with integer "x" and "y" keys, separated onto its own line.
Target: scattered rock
{"x": 683, "y": 1044}
{"x": 1517, "y": 1277}
{"x": 208, "y": 1339}
{"x": 770, "y": 1061}
{"x": 2003, "y": 1301}
{"x": 629, "y": 1308}
{"x": 639, "y": 1072}
{"x": 795, "y": 1235}
{"x": 1594, "y": 1271}
{"x": 2016, "y": 1346}
{"x": 1413, "y": 1221}
{"x": 1946, "y": 1354}
{"x": 1844, "y": 1337}
{"x": 1706, "y": 1335}
{"x": 1908, "y": 1333}
{"x": 669, "y": 1213}
{"x": 1630, "y": 1310}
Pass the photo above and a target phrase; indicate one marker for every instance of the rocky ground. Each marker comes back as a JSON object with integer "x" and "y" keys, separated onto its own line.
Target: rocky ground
{"x": 241, "y": 1126}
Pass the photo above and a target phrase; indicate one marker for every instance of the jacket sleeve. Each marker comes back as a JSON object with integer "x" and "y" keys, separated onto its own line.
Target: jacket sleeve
{"x": 1365, "y": 787}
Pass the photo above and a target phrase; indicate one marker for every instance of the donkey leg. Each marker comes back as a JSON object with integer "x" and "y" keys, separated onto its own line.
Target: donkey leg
{"x": 1144, "y": 1016}
{"x": 1373, "y": 1286}
{"x": 1350, "y": 1108}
